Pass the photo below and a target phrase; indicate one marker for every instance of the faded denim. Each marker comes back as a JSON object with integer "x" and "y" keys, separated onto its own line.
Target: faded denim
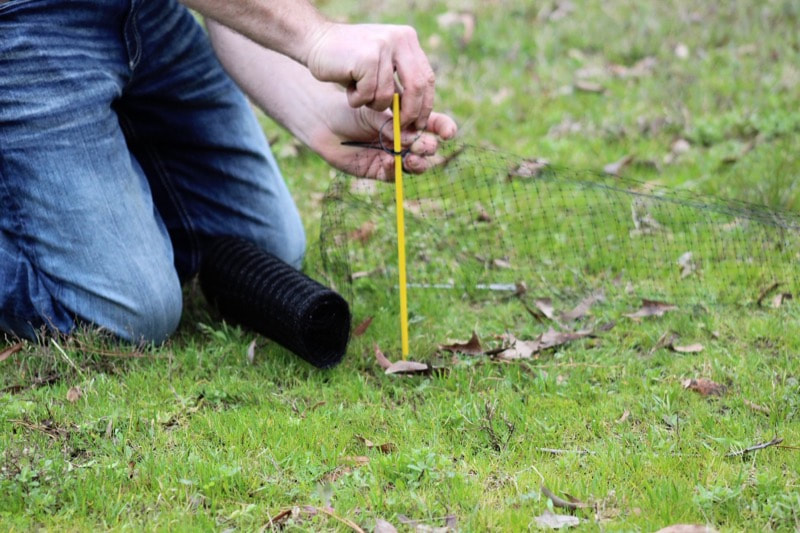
{"x": 124, "y": 147}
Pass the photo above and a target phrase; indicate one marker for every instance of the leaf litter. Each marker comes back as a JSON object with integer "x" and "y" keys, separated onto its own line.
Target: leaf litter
{"x": 704, "y": 387}
{"x": 651, "y": 308}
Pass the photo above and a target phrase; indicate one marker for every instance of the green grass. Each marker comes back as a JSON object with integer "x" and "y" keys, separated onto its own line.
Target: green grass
{"x": 191, "y": 436}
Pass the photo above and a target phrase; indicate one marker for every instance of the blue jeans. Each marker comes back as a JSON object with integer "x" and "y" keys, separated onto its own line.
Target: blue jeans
{"x": 124, "y": 148}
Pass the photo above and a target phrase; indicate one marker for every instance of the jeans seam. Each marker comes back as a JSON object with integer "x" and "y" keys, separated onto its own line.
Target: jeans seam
{"x": 163, "y": 177}
{"x": 133, "y": 61}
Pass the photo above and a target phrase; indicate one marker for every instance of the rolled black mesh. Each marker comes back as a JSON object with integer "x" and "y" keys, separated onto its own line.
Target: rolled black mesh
{"x": 253, "y": 288}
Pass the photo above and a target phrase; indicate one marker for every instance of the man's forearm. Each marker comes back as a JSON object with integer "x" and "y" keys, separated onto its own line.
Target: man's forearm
{"x": 286, "y": 26}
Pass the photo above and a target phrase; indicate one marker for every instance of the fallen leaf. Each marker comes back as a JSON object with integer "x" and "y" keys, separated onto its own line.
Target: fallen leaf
{"x": 779, "y": 298}
{"x": 616, "y": 168}
{"x": 251, "y": 351}
{"x": 766, "y": 291}
{"x": 666, "y": 340}
{"x": 11, "y": 350}
{"x": 651, "y": 308}
{"x": 353, "y": 462}
{"x": 425, "y": 528}
{"x": 362, "y": 327}
{"x": 545, "y": 305}
{"x": 552, "y": 338}
{"x": 586, "y": 86}
{"x": 382, "y": 526}
{"x": 690, "y": 348}
{"x": 408, "y": 367}
{"x": 643, "y": 67}
{"x": 582, "y": 309}
{"x": 518, "y": 349}
{"x": 550, "y": 520}
{"x": 687, "y": 528}
{"x": 643, "y": 220}
{"x": 704, "y": 387}
{"x": 74, "y": 394}
{"x": 387, "y": 447}
{"x": 756, "y": 407}
{"x": 625, "y": 415}
{"x": 365, "y": 441}
{"x": 471, "y": 347}
{"x": 687, "y": 264}
{"x": 571, "y": 502}
{"x": 501, "y": 263}
{"x": 529, "y": 168}
{"x": 382, "y": 360}
{"x": 364, "y": 274}
{"x": 364, "y": 232}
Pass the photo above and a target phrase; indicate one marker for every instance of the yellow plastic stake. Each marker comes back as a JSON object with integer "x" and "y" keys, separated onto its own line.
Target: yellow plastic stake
{"x": 401, "y": 225}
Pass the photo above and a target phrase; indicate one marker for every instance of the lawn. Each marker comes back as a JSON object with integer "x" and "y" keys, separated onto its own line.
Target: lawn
{"x": 213, "y": 432}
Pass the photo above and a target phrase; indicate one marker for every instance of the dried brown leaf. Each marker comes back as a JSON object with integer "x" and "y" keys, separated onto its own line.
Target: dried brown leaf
{"x": 386, "y": 447}
{"x": 582, "y": 309}
{"x": 687, "y": 264}
{"x": 355, "y": 460}
{"x": 518, "y": 349}
{"x": 471, "y": 347}
{"x": 74, "y": 394}
{"x": 552, "y": 338}
{"x": 529, "y": 168}
{"x": 766, "y": 291}
{"x": 779, "y": 298}
{"x": 365, "y": 441}
{"x": 587, "y": 86}
{"x": 571, "y": 502}
{"x": 651, "y": 308}
{"x": 616, "y": 168}
{"x": 501, "y": 263}
{"x": 550, "y": 520}
{"x": 382, "y": 359}
{"x": 756, "y": 407}
{"x": 625, "y": 415}
{"x": 364, "y": 232}
{"x": 362, "y": 327}
{"x": 408, "y": 368}
{"x": 704, "y": 387}
{"x": 382, "y": 526}
{"x": 11, "y": 350}
{"x": 545, "y": 305}
{"x": 689, "y": 348}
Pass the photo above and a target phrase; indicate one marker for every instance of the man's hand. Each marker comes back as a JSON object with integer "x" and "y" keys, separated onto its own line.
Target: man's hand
{"x": 342, "y": 123}
{"x": 318, "y": 112}
{"x": 364, "y": 58}
{"x": 361, "y": 57}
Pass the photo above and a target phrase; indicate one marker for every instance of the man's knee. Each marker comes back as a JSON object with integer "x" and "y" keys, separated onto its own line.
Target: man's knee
{"x": 151, "y": 314}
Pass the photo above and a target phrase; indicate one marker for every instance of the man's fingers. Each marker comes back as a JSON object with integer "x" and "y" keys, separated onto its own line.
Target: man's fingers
{"x": 418, "y": 81}
{"x": 362, "y": 91}
{"x": 385, "y": 89}
{"x": 442, "y": 125}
